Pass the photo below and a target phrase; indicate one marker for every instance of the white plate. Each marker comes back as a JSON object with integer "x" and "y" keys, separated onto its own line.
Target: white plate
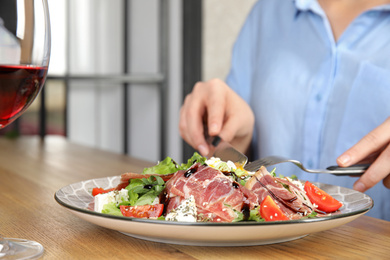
{"x": 77, "y": 198}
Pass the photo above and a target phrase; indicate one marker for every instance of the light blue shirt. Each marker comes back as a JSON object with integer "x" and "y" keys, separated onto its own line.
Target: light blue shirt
{"x": 313, "y": 97}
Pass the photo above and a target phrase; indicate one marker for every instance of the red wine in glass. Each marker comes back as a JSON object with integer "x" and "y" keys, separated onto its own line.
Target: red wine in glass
{"x": 19, "y": 85}
{"x": 24, "y": 58}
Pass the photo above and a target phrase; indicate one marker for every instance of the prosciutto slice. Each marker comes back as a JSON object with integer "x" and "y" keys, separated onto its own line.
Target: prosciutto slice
{"x": 290, "y": 198}
{"x": 217, "y": 196}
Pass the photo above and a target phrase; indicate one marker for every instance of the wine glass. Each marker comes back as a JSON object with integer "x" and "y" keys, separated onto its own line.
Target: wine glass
{"x": 24, "y": 59}
{"x": 24, "y": 55}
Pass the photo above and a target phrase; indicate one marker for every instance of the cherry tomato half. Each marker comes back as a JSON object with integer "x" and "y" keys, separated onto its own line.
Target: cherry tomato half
{"x": 270, "y": 211}
{"x": 96, "y": 191}
{"x": 323, "y": 200}
{"x": 144, "y": 211}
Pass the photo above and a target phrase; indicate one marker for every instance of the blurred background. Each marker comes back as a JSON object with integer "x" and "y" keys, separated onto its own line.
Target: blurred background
{"x": 120, "y": 69}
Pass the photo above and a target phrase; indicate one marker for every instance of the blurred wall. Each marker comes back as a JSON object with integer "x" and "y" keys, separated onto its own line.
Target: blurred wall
{"x": 222, "y": 21}
{"x": 96, "y": 108}
{"x": 94, "y": 46}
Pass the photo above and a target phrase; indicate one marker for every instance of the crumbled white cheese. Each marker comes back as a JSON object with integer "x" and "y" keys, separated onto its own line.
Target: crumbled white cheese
{"x": 156, "y": 201}
{"x": 112, "y": 196}
{"x": 185, "y": 212}
{"x": 213, "y": 162}
{"x": 231, "y": 165}
{"x": 217, "y": 163}
{"x": 250, "y": 173}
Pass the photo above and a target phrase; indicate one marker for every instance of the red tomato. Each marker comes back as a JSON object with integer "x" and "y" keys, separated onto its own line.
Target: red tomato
{"x": 96, "y": 191}
{"x": 323, "y": 200}
{"x": 270, "y": 211}
{"x": 144, "y": 211}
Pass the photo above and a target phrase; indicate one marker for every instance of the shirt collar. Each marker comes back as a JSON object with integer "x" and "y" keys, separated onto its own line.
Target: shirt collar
{"x": 314, "y": 6}
{"x": 385, "y": 7}
{"x": 308, "y": 5}
{"x": 304, "y": 5}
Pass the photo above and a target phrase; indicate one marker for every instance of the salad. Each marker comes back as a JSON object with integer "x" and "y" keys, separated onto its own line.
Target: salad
{"x": 214, "y": 191}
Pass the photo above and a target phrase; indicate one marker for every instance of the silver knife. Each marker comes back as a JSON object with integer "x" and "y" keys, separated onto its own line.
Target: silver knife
{"x": 225, "y": 151}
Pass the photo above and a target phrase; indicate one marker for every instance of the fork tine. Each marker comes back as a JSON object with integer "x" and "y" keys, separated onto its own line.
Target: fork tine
{"x": 272, "y": 160}
{"x": 251, "y": 167}
{"x": 265, "y": 161}
{"x": 255, "y": 165}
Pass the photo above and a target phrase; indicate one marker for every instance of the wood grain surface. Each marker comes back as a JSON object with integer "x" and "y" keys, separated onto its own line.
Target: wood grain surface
{"x": 32, "y": 170}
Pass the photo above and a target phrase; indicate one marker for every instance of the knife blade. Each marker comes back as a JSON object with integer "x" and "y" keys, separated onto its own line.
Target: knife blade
{"x": 225, "y": 151}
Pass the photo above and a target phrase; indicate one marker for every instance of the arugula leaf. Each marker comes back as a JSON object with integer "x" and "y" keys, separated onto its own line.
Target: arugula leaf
{"x": 273, "y": 173}
{"x": 313, "y": 214}
{"x": 168, "y": 165}
{"x": 239, "y": 216}
{"x": 195, "y": 158}
{"x": 254, "y": 215}
{"x": 144, "y": 191}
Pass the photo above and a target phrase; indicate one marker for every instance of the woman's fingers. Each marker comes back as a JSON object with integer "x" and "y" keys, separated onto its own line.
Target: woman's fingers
{"x": 191, "y": 124}
{"x": 216, "y": 105}
{"x": 239, "y": 123}
{"x": 205, "y": 104}
{"x": 372, "y": 142}
{"x": 379, "y": 170}
{"x": 375, "y": 142}
{"x": 386, "y": 181}
{"x": 225, "y": 113}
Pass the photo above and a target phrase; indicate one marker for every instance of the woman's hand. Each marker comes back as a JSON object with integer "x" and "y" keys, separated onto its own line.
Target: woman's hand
{"x": 226, "y": 114}
{"x": 375, "y": 148}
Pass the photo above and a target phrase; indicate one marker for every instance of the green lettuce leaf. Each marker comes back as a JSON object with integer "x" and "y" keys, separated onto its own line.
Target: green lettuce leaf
{"x": 112, "y": 209}
{"x": 168, "y": 165}
{"x": 195, "y": 158}
{"x": 145, "y": 191}
{"x": 146, "y": 199}
{"x": 254, "y": 215}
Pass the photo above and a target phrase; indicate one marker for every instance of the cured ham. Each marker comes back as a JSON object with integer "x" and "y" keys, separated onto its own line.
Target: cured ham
{"x": 291, "y": 199}
{"x": 217, "y": 196}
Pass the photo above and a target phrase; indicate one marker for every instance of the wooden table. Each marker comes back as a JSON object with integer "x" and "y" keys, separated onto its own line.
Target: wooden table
{"x": 32, "y": 170}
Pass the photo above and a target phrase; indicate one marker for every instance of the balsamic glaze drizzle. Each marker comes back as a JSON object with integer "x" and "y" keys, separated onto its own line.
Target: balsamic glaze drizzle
{"x": 245, "y": 211}
{"x": 190, "y": 171}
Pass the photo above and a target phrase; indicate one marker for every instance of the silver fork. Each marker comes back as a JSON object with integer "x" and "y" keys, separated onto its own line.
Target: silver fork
{"x": 355, "y": 170}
